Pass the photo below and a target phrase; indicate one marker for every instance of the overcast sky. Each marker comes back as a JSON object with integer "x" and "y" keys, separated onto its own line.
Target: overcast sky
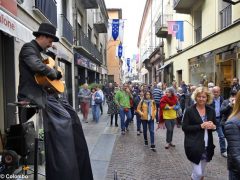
{"x": 132, "y": 11}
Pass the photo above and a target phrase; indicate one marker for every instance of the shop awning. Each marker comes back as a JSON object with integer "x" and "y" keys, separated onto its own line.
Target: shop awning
{"x": 165, "y": 65}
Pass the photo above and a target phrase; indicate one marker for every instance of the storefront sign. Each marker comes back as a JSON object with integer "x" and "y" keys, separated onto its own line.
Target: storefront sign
{"x": 14, "y": 28}
{"x": 92, "y": 66}
{"x": 7, "y": 23}
{"x": 10, "y": 5}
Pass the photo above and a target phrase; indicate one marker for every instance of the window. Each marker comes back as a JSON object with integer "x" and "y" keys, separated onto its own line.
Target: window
{"x": 79, "y": 18}
{"x": 101, "y": 48}
{"x": 89, "y": 33}
{"x": 95, "y": 42}
{"x": 79, "y": 27}
{"x": 64, "y": 8}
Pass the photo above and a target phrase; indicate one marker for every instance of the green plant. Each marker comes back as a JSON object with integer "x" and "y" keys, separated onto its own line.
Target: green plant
{"x": 92, "y": 85}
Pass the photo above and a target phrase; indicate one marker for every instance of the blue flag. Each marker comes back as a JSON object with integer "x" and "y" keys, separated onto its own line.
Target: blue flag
{"x": 115, "y": 28}
{"x": 128, "y": 62}
{"x": 120, "y": 50}
{"x": 179, "y": 32}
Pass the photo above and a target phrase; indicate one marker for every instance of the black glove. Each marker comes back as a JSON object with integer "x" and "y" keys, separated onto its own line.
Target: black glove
{"x": 59, "y": 75}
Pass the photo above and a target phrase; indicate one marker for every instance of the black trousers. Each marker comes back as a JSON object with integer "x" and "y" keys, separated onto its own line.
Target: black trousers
{"x": 66, "y": 150}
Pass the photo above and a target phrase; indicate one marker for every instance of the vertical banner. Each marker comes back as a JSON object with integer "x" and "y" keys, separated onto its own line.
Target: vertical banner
{"x": 175, "y": 28}
{"x": 115, "y": 29}
{"x": 120, "y": 50}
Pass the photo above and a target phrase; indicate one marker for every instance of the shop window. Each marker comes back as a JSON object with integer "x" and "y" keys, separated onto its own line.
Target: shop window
{"x": 202, "y": 69}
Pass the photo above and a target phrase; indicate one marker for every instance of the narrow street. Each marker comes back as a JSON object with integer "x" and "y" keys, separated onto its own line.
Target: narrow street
{"x": 110, "y": 151}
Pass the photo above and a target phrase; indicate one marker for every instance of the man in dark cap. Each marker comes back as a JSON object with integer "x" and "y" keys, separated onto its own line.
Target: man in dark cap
{"x": 66, "y": 150}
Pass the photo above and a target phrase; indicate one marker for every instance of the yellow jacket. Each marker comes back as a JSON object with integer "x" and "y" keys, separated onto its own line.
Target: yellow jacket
{"x": 142, "y": 110}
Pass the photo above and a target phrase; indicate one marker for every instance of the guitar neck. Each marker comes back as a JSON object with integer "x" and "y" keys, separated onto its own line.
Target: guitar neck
{"x": 56, "y": 62}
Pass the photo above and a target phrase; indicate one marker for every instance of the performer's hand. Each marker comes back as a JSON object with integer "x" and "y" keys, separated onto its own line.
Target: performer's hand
{"x": 59, "y": 75}
{"x": 161, "y": 126}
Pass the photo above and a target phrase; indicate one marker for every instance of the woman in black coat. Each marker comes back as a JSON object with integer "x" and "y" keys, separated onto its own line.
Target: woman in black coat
{"x": 198, "y": 123}
{"x": 232, "y": 134}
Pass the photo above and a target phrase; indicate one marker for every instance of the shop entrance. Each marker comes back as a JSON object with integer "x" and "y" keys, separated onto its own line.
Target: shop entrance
{"x": 225, "y": 72}
{"x": 7, "y": 81}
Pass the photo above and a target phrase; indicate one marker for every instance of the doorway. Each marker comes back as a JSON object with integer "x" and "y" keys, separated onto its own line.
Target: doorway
{"x": 7, "y": 81}
{"x": 225, "y": 71}
{"x": 179, "y": 77}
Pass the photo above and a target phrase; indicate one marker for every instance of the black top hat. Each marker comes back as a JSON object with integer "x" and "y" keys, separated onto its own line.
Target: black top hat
{"x": 48, "y": 30}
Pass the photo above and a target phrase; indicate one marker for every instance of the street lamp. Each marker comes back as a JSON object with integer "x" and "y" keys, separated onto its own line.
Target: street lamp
{"x": 233, "y": 2}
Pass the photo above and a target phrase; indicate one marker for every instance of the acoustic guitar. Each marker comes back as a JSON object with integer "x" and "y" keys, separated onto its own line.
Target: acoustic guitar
{"x": 56, "y": 85}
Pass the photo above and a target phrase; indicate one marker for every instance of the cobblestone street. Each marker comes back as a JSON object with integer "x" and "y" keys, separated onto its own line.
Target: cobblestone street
{"x": 133, "y": 161}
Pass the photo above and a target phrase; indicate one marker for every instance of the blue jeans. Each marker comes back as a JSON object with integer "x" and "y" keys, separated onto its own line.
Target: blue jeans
{"x": 138, "y": 122}
{"x": 150, "y": 125}
{"x": 122, "y": 113}
{"x": 169, "y": 123}
{"x": 96, "y": 112}
{"x": 220, "y": 136}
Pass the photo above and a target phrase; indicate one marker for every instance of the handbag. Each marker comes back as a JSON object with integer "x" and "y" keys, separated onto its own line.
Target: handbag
{"x": 98, "y": 101}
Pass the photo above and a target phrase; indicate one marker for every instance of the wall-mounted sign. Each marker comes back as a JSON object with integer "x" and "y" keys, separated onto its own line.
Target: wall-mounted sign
{"x": 9, "y": 5}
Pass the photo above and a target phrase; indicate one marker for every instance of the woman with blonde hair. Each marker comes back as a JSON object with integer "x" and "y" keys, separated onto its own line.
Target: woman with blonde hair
{"x": 232, "y": 134}
{"x": 198, "y": 123}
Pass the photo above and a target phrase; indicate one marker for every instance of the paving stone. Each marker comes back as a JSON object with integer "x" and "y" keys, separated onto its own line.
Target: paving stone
{"x": 132, "y": 160}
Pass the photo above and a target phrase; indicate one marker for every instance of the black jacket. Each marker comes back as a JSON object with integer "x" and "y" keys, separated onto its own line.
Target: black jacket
{"x": 213, "y": 104}
{"x": 194, "y": 135}
{"x": 30, "y": 63}
{"x": 225, "y": 111}
{"x": 232, "y": 134}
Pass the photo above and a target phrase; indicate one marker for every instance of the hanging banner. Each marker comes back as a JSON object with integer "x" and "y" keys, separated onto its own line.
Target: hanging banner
{"x": 176, "y": 29}
{"x": 115, "y": 29}
{"x": 120, "y": 50}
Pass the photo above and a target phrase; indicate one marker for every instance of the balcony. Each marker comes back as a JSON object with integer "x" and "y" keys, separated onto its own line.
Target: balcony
{"x": 67, "y": 30}
{"x": 161, "y": 26}
{"x": 145, "y": 56}
{"x": 100, "y": 23}
{"x": 183, "y": 6}
{"x": 89, "y": 4}
{"x": 47, "y": 10}
{"x": 225, "y": 17}
{"x": 198, "y": 34}
{"x": 85, "y": 46}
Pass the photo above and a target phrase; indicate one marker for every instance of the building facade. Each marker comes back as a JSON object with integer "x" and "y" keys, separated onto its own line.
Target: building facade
{"x": 212, "y": 52}
{"x": 18, "y": 19}
{"x": 90, "y": 36}
{"x": 210, "y": 49}
{"x": 150, "y": 46}
{"x": 114, "y": 63}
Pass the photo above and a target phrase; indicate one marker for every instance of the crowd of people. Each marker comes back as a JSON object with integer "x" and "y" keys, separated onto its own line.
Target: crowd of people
{"x": 198, "y": 110}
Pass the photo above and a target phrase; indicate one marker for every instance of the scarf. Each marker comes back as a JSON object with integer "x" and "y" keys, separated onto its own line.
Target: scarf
{"x": 149, "y": 104}
{"x": 168, "y": 100}
{"x": 163, "y": 102}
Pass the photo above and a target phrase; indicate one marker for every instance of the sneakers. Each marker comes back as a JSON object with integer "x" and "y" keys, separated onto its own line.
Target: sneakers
{"x": 123, "y": 132}
{"x": 167, "y": 146}
{"x": 138, "y": 133}
{"x": 145, "y": 143}
{"x": 224, "y": 154}
{"x": 127, "y": 129}
{"x": 153, "y": 148}
{"x": 116, "y": 125}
